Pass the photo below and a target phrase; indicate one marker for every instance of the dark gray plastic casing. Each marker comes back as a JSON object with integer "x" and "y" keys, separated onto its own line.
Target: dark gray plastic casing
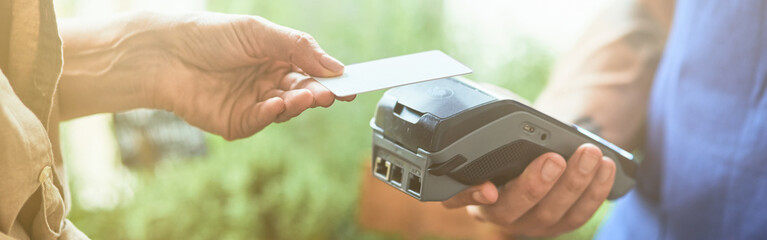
{"x": 448, "y": 134}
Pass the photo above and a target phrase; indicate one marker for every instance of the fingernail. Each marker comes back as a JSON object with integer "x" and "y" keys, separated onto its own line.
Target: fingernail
{"x": 604, "y": 173}
{"x": 331, "y": 63}
{"x": 479, "y": 197}
{"x": 550, "y": 170}
{"x": 588, "y": 162}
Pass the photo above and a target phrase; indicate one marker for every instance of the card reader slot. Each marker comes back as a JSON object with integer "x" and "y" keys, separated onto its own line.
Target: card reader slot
{"x": 408, "y": 114}
{"x": 449, "y": 165}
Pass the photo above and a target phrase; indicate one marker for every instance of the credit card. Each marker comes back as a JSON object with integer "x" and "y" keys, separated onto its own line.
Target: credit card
{"x": 394, "y": 71}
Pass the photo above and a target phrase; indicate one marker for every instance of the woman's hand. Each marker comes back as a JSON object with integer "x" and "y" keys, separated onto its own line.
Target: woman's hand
{"x": 231, "y": 75}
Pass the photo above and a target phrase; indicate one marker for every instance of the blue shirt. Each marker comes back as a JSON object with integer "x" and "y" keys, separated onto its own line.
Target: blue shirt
{"x": 705, "y": 171}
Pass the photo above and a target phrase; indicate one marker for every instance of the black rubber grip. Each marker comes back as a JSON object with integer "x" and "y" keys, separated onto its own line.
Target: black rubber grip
{"x": 500, "y": 165}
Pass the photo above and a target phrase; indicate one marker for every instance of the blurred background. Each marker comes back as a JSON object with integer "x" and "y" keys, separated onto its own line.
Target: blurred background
{"x": 147, "y": 175}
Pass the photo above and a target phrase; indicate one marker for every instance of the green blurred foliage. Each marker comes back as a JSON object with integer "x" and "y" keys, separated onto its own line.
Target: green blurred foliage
{"x": 300, "y": 179}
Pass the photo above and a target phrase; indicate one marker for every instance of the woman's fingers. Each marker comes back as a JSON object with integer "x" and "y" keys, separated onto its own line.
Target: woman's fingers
{"x": 322, "y": 96}
{"x": 347, "y": 98}
{"x": 257, "y": 117}
{"x": 299, "y": 48}
{"x": 296, "y": 101}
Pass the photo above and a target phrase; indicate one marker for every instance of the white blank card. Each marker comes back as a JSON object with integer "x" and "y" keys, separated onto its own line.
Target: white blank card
{"x": 394, "y": 71}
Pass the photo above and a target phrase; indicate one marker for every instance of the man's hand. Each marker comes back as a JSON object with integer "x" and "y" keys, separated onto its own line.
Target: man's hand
{"x": 549, "y": 198}
{"x": 231, "y": 75}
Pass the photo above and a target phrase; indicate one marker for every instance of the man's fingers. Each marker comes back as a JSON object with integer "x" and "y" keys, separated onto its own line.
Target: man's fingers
{"x": 482, "y": 194}
{"x": 590, "y": 200}
{"x": 521, "y": 194}
{"x": 296, "y": 101}
{"x": 475, "y": 212}
{"x": 298, "y": 48}
{"x": 581, "y": 168}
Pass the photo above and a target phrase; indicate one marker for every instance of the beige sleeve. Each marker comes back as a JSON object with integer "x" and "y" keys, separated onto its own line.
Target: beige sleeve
{"x": 70, "y": 232}
{"x": 604, "y": 83}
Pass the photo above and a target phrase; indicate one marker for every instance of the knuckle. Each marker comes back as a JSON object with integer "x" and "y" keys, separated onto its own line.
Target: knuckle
{"x": 258, "y": 19}
{"x": 303, "y": 39}
{"x": 257, "y": 23}
{"x": 244, "y": 20}
{"x": 545, "y": 218}
{"x": 574, "y": 186}
{"x": 303, "y": 82}
{"x": 533, "y": 192}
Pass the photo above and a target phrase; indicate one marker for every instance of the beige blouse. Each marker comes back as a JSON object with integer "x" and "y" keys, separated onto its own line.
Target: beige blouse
{"x": 34, "y": 195}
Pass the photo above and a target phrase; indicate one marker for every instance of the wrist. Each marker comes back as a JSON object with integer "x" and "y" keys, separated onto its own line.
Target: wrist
{"x": 108, "y": 67}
